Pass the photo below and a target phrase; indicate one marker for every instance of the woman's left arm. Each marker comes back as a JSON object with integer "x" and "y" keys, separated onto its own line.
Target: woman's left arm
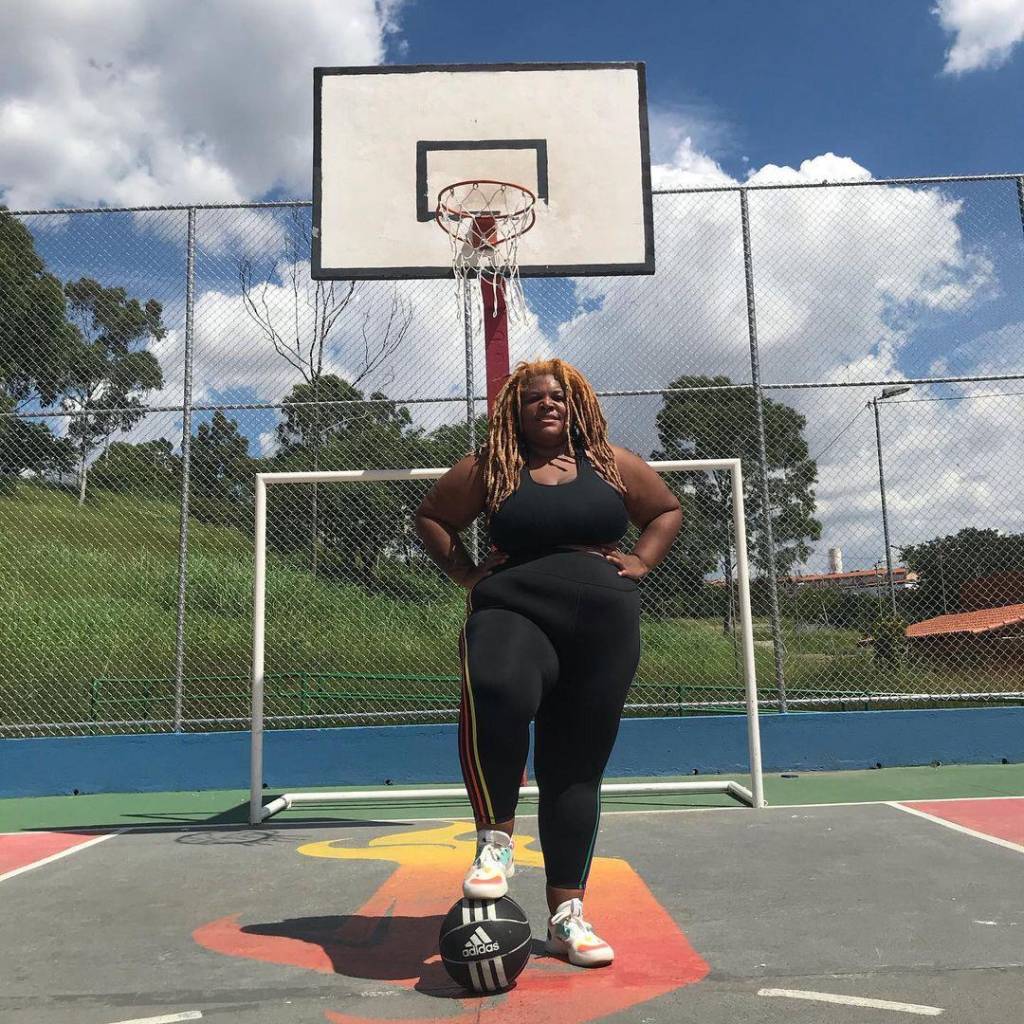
{"x": 653, "y": 508}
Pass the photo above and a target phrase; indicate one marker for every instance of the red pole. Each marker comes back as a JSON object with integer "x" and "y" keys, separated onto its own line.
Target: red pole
{"x": 495, "y": 335}
{"x": 495, "y": 350}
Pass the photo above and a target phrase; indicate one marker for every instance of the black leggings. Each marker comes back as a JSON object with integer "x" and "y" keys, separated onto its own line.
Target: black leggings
{"x": 556, "y": 638}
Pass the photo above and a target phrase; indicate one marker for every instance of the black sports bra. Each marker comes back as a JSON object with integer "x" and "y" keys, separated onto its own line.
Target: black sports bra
{"x": 537, "y": 517}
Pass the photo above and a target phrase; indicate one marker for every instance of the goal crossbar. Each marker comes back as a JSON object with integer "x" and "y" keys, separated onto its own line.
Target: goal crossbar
{"x": 259, "y": 812}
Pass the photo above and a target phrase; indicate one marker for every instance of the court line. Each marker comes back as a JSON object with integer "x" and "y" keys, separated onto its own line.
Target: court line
{"x": 168, "y": 1018}
{"x": 58, "y": 856}
{"x": 876, "y": 1004}
{"x": 995, "y": 840}
{"x": 606, "y": 811}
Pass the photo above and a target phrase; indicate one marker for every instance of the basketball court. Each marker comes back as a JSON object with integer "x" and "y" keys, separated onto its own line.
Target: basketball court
{"x": 859, "y": 911}
{"x": 818, "y": 900}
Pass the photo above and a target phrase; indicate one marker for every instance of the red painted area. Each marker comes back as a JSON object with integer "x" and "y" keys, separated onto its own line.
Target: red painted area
{"x": 1002, "y": 818}
{"x": 24, "y": 848}
{"x": 393, "y": 938}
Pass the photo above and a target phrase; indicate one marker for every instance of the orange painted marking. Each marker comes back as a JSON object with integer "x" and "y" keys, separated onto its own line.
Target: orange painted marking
{"x": 1002, "y": 818}
{"x": 25, "y": 848}
{"x": 393, "y": 936}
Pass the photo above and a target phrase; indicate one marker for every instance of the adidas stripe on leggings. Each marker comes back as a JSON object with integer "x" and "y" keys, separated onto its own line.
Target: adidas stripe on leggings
{"x": 555, "y": 639}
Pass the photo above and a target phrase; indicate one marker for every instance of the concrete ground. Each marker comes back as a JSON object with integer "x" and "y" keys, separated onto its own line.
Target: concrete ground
{"x": 717, "y": 915}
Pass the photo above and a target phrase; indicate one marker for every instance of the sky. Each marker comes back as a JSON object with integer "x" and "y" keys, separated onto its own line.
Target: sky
{"x": 128, "y": 102}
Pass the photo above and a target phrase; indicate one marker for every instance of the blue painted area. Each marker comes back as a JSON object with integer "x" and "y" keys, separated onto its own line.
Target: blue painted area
{"x": 410, "y": 754}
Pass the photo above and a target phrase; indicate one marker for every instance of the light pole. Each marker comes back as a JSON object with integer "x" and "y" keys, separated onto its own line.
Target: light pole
{"x": 886, "y": 393}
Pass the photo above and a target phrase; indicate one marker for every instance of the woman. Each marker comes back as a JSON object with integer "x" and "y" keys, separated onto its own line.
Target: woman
{"x": 553, "y": 625}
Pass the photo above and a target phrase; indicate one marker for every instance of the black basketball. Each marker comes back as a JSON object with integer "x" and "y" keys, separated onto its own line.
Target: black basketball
{"x": 485, "y": 943}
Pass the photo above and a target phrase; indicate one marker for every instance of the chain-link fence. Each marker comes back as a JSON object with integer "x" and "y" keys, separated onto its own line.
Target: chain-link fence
{"x": 859, "y": 346}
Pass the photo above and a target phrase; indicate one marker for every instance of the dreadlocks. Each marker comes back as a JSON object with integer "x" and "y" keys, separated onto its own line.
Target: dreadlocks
{"x": 504, "y": 454}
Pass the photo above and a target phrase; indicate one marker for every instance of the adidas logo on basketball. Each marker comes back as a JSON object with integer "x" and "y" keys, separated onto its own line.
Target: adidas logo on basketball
{"x": 479, "y": 942}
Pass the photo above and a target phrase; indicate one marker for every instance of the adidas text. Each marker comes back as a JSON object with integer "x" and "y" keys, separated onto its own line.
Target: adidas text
{"x": 489, "y": 947}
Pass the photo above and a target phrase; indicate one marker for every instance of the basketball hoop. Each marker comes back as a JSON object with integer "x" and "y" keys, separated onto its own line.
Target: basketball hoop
{"x": 484, "y": 221}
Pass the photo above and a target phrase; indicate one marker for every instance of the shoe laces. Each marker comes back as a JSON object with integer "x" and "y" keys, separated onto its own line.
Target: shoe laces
{"x": 489, "y": 855}
{"x": 570, "y": 915}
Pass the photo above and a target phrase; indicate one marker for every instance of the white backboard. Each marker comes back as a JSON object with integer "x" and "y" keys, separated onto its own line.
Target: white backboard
{"x": 388, "y": 139}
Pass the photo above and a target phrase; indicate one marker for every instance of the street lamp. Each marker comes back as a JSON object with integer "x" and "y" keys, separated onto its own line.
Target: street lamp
{"x": 886, "y": 393}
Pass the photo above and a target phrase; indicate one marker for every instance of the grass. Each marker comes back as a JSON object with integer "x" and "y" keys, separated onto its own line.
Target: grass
{"x": 90, "y": 594}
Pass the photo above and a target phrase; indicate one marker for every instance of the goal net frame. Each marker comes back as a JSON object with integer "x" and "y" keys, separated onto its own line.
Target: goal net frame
{"x": 260, "y": 812}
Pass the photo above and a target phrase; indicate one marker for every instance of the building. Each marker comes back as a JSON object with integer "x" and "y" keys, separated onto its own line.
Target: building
{"x": 856, "y": 579}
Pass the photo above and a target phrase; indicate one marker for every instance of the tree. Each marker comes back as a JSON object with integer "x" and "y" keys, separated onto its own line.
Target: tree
{"x": 946, "y": 566}
{"x": 310, "y": 329}
{"x": 35, "y": 343}
{"x": 35, "y": 337}
{"x": 150, "y": 468}
{"x": 357, "y": 524}
{"x": 710, "y": 419}
{"x": 108, "y": 373}
{"x": 27, "y": 445}
{"x": 221, "y": 473}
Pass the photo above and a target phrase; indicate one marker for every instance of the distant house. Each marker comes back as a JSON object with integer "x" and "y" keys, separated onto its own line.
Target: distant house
{"x": 856, "y": 579}
{"x": 992, "y": 638}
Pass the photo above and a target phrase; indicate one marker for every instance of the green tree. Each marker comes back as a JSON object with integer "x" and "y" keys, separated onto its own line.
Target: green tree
{"x": 707, "y": 418}
{"x": 945, "y": 565}
{"x": 360, "y": 526}
{"x": 36, "y": 339}
{"x": 35, "y": 344}
{"x": 29, "y": 445}
{"x": 109, "y": 372}
{"x": 311, "y": 324}
{"x": 150, "y": 468}
{"x": 221, "y": 473}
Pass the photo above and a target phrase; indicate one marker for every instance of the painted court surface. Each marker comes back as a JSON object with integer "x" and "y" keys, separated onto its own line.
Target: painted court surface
{"x": 855, "y": 897}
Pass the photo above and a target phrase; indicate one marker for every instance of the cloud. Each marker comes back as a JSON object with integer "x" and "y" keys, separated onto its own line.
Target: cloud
{"x": 130, "y": 103}
{"x": 843, "y": 278}
{"x": 986, "y": 32}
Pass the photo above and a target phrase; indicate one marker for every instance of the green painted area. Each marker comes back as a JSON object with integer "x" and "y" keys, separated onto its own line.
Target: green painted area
{"x": 216, "y": 807}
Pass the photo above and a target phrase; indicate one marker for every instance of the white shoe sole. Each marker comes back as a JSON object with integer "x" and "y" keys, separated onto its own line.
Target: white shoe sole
{"x": 594, "y": 959}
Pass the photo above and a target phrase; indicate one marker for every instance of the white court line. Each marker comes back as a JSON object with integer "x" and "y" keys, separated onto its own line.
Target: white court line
{"x": 1006, "y": 843}
{"x": 57, "y": 856}
{"x": 169, "y": 1018}
{"x": 876, "y": 1004}
{"x": 285, "y": 823}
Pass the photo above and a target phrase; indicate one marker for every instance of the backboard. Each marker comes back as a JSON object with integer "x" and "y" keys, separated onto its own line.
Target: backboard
{"x": 388, "y": 139}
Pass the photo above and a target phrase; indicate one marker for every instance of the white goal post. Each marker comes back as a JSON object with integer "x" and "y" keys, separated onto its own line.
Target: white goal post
{"x": 258, "y": 812}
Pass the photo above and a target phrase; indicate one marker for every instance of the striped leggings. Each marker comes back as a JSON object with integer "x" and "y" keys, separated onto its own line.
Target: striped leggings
{"x": 555, "y": 640}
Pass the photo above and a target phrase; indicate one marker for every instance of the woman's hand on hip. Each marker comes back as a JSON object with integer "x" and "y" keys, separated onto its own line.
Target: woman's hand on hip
{"x": 485, "y": 568}
{"x": 631, "y": 566}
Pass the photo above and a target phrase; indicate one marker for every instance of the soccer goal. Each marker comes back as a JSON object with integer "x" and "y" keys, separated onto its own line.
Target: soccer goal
{"x": 259, "y": 812}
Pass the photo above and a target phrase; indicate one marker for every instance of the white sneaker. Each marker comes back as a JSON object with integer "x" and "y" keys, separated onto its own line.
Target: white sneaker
{"x": 487, "y": 878}
{"x": 570, "y": 936}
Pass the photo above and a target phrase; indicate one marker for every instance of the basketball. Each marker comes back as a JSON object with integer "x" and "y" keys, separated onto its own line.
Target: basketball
{"x": 485, "y": 944}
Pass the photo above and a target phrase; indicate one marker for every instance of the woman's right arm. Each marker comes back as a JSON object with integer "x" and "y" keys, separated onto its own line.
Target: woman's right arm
{"x": 450, "y": 506}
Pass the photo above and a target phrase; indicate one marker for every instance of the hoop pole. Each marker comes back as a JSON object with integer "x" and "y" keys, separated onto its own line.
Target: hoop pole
{"x": 495, "y": 336}
{"x": 747, "y": 629}
{"x": 258, "y": 631}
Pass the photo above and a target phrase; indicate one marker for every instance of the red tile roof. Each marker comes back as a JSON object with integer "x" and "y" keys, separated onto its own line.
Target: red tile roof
{"x": 984, "y": 620}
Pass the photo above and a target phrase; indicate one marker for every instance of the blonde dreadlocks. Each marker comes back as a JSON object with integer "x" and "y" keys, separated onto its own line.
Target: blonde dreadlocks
{"x": 504, "y": 453}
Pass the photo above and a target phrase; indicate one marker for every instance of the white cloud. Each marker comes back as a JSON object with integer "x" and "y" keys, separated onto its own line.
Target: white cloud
{"x": 986, "y": 32}
{"x": 128, "y": 102}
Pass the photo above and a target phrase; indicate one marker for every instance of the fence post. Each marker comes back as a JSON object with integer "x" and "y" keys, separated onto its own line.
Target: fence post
{"x": 1020, "y": 200}
{"x": 186, "y": 456}
{"x": 778, "y": 646}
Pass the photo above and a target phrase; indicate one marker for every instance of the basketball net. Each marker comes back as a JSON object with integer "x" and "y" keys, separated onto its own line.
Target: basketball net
{"x": 484, "y": 221}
